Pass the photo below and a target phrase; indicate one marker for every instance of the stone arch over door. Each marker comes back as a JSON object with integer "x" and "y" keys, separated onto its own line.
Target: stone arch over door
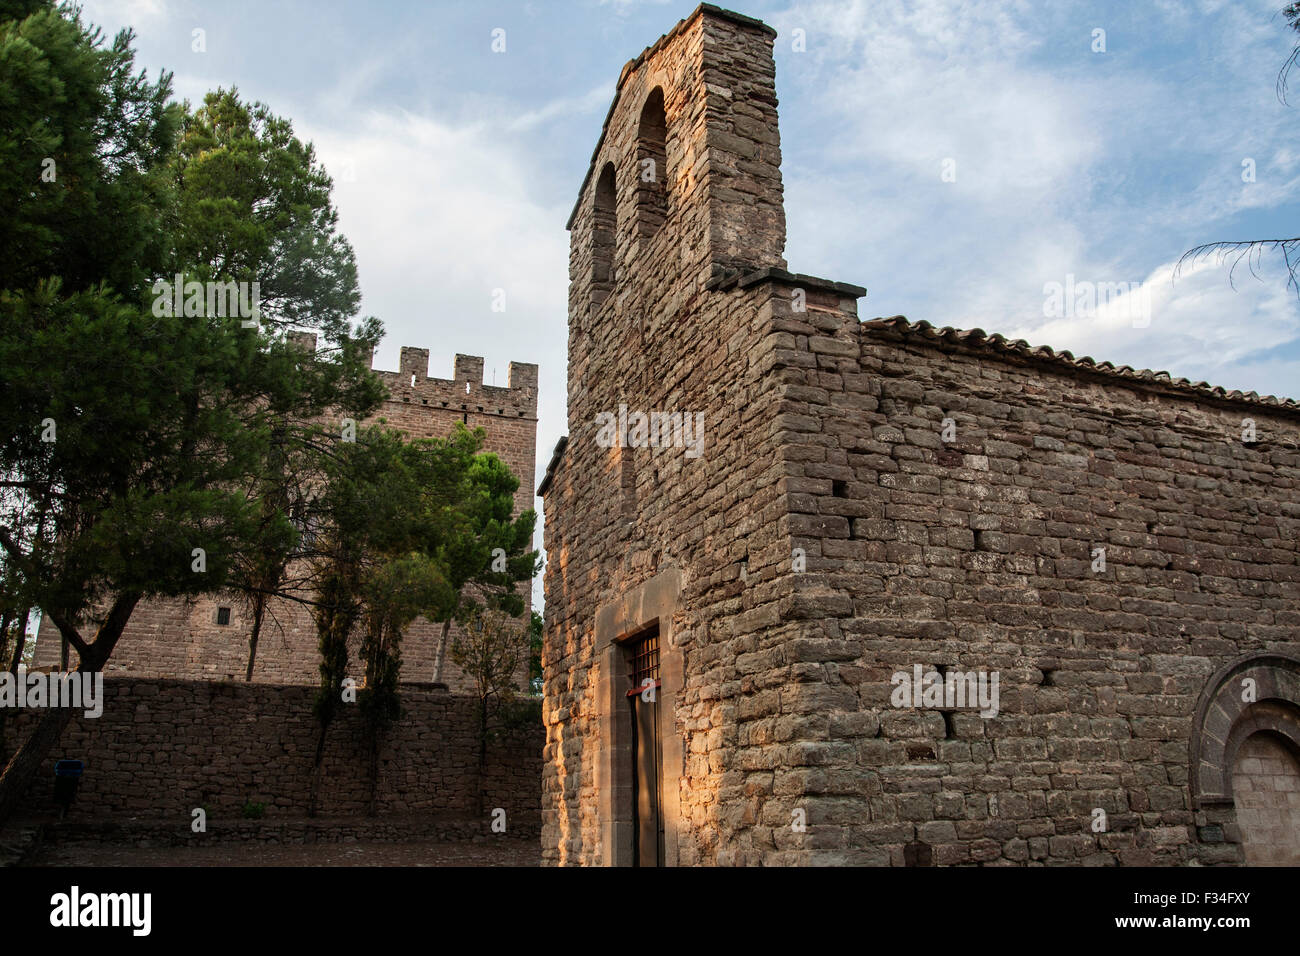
{"x": 1245, "y": 758}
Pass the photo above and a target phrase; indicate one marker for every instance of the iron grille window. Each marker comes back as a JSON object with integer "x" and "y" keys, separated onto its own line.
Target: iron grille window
{"x": 223, "y": 615}
{"x": 643, "y": 661}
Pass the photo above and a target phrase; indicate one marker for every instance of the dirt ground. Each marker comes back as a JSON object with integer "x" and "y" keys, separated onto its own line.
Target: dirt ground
{"x": 503, "y": 853}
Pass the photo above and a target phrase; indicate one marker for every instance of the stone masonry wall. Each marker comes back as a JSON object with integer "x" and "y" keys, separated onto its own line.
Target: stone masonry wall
{"x": 668, "y": 340}
{"x": 180, "y": 639}
{"x": 163, "y": 747}
{"x": 978, "y": 555}
{"x": 1267, "y": 789}
{"x": 829, "y": 538}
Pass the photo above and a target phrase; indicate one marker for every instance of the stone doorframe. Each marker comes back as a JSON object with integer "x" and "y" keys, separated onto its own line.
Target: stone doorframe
{"x": 1223, "y": 720}
{"x": 654, "y": 602}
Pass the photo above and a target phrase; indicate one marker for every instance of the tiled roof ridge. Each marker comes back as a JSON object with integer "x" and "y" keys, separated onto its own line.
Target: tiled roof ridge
{"x": 978, "y": 338}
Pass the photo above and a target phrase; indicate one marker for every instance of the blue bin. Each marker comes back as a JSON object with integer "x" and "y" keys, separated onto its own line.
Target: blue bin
{"x": 67, "y": 774}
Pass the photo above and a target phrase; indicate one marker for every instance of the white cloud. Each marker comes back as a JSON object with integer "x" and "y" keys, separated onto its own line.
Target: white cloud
{"x": 440, "y": 216}
{"x": 597, "y": 98}
{"x": 1065, "y": 164}
{"x": 134, "y": 12}
{"x": 1200, "y": 328}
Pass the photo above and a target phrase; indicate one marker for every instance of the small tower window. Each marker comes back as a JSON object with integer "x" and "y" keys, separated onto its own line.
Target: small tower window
{"x": 603, "y": 224}
{"x": 652, "y": 165}
{"x": 223, "y": 616}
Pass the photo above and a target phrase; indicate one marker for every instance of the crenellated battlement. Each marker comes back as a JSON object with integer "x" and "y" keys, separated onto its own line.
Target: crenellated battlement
{"x": 466, "y": 390}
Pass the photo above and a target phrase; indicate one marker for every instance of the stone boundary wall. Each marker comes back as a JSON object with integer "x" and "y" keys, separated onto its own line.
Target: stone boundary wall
{"x": 227, "y": 830}
{"x": 162, "y": 748}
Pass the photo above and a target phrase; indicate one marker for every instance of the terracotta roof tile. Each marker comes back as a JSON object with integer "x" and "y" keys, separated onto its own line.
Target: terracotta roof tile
{"x": 977, "y": 338}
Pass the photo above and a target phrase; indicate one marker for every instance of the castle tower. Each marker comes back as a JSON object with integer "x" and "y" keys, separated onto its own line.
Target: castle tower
{"x": 207, "y": 638}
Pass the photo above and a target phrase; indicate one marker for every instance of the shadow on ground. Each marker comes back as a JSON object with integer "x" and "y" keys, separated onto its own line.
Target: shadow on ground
{"x": 504, "y": 852}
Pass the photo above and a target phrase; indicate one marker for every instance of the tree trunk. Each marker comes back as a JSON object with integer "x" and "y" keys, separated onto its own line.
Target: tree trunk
{"x": 313, "y": 797}
{"x": 442, "y": 651}
{"x": 22, "y": 769}
{"x": 6, "y": 620}
{"x": 21, "y": 641}
{"x": 482, "y": 750}
{"x": 259, "y": 611}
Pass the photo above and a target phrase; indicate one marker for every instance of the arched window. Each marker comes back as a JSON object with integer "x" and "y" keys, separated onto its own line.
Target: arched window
{"x": 652, "y": 165}
{"x": 604, "y": 220}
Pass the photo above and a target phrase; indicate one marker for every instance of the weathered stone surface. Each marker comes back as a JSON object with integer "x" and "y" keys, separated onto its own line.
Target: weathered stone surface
{"x": 828, "y": 547}
{"x": 222, "y": 745}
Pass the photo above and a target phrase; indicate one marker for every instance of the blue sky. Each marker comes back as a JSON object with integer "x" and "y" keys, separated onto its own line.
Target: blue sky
{"x": 456, "y": 167}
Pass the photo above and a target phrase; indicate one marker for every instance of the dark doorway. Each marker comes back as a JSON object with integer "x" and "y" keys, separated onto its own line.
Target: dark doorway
{"x": 647, "y": 753}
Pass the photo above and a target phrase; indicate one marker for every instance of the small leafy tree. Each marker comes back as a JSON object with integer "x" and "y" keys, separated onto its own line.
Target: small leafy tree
{"x": 131, "y": 440}
{"x": 492, "y": 649}
{"x": 493, "y": 550}
{"x": 352, "y": 504}
{"x": 407, "y": 524}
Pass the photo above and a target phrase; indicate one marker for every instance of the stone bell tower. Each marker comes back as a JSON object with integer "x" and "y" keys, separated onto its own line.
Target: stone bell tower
{"x": 677, "y": 299}
{"x": 684, "y": 185}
